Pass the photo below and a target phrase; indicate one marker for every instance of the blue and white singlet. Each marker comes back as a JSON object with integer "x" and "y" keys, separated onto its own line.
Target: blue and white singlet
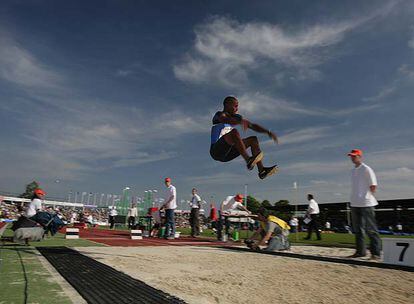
{"x": 219, "y": 129}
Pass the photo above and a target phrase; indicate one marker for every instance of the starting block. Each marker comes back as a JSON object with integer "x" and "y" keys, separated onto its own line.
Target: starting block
{"x": 398, "y": 251}
{"x": 72, "y": 233}
{"x": 136, "y": 234}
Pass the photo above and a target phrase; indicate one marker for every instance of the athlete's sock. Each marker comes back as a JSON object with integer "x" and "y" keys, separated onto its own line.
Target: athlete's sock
{"x": 252, "y": 161}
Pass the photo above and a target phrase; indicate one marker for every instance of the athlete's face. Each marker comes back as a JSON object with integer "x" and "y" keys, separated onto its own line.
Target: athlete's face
{"x": 232, "y": 107}
{"x": 194, "y": 191}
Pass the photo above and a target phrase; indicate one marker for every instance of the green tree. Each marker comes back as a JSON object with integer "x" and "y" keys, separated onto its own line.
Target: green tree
{"x": 282, "y": 209}
{"x": 253, "y": 204}
{"x": 30, "y": 188}
{"x": 266, "y": 204}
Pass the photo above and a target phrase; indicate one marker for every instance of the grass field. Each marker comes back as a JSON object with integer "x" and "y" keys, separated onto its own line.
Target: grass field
{"x": 23, "y": 279}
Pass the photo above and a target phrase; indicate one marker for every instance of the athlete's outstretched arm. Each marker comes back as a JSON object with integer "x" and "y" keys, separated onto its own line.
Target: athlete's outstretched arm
{"x": 260, "y": 129}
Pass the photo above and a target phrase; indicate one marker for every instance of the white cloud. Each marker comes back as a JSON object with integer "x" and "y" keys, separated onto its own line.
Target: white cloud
{"x": 314, "y": 168}
{"x": 262, "y": 106}
{"x": 404, "y": 77}
{"x": 304, "y": 135}
{"x": 225, "y": 50}
{"x": 142, "y": 158}
{"x": 402, "y": 173}
{"x": 18, "y": 66}
{"x": 220, "y": 179}
{"x": 77, "y": 135}
{"x": 411, "y": 43}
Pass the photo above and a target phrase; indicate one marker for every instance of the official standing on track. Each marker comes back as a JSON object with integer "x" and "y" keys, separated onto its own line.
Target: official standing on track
{"x": 112, "y": 214}
{"x": 132, "y": 215}
{"x": 195, "y": 205}
{"x": 313, "y": 214}
{"x": 363, "y": 202}
{"x": 170, "y": 205}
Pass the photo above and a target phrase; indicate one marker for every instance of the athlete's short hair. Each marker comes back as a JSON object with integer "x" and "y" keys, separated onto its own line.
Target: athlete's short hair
{"x": 229, "y": 99}
{"x": 310, "y": 196}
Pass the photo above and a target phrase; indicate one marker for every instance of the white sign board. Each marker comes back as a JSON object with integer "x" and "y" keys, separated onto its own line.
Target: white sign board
{"x": 136, "y": 234}
{"x": 398, "y": 251}
{"x": 72, "y": 233}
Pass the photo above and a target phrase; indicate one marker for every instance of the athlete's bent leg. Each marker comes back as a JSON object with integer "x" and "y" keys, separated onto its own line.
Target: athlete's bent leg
{"x": 233, "y": 138}
{"x": 253, "y": 143}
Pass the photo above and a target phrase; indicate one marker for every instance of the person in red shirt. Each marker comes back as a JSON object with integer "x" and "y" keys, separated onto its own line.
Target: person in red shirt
{"x": 213, "y": 217}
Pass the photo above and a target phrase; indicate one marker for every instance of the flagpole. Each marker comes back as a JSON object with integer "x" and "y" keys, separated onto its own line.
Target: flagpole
{"x": 295, "y": 198}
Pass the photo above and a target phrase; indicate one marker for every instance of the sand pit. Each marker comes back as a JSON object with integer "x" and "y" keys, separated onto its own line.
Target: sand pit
{"x": 210, "y": 275}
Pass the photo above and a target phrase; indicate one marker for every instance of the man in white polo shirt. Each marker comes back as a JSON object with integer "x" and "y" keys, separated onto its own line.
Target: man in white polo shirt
{"x": 195, "y": 205}
{"x": 170, "y": 205}
{"x": 363, "y": 202}
{"x": 313, "y": 214}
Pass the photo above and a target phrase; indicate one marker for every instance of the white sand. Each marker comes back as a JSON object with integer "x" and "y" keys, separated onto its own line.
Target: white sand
{"x": 209, "y": 275}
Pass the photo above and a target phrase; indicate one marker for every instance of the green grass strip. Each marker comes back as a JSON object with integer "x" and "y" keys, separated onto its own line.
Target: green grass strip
{"x": 23, "y": 279}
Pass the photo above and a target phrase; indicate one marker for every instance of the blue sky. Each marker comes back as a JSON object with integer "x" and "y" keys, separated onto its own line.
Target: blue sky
{"x": 106, "y": 94}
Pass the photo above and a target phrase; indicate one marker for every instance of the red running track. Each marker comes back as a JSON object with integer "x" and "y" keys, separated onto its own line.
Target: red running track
{"x": 122, "y": 238}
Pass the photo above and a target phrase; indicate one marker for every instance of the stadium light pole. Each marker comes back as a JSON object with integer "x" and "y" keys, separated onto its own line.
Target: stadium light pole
{"x": 245, "y": 195}
{"x": 155, "y": 191}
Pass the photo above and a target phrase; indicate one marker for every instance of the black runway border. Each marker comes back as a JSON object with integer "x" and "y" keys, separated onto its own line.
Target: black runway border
{"x": 98, "y": 283}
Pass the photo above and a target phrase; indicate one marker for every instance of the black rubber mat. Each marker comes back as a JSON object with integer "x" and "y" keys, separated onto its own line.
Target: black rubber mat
{"x": 99, "y": 283}
{"x": 326, "y": 259}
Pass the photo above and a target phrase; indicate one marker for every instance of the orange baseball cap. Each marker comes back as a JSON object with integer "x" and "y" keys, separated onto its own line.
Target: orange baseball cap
{"x": 355, "y": 152}
{"x": 167, "y": 179}
{"x": 39, "y": 192}
{"x": 238, "y": 198}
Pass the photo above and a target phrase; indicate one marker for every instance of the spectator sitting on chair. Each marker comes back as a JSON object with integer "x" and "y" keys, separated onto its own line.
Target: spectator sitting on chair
{"x": 158, "y": 222}
{"x": 89, "y": 219}
{"x": 36, "y": 203}
{"x": 294, "y": 223}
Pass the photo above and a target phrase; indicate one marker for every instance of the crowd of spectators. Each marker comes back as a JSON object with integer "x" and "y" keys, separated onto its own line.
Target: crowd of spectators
{"x": 12, "y": 211}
